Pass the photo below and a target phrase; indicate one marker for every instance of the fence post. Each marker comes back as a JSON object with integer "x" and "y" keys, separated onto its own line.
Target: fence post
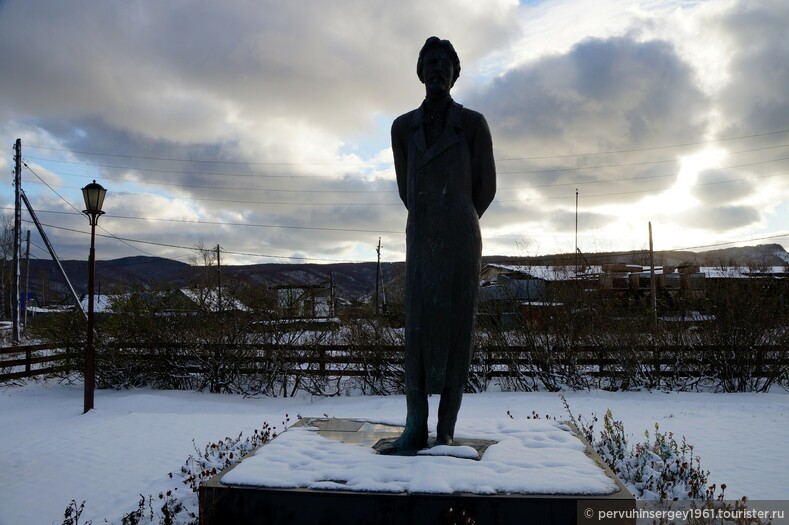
{"x": 488, "y": 361}
{"x": 600, "y": 368}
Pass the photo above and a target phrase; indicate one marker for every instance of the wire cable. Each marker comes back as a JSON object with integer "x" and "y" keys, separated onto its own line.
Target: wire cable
{"x": 74, "y": 207}
{"x": 251, "y": 163}
{"x": 192, "y": 248}
{"x": 366, "y": 177}
{"x": 550, "y": 185}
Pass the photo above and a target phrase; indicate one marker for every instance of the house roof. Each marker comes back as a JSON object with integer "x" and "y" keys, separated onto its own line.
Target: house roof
{"x": 210, "y": 299}
{"x": 546, "y": 273}
{"x": 563, "y": 273}
{"x": 742, "y": 272}
{"x": 101, "y": 303}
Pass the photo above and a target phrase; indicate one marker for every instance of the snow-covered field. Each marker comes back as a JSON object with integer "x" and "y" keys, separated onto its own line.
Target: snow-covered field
{"x": 128, "y": 445}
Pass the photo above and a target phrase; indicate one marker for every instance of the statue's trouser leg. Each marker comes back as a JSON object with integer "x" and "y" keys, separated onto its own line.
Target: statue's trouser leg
{"x": 414, "y": 437}
{"x": 448, "y": 408}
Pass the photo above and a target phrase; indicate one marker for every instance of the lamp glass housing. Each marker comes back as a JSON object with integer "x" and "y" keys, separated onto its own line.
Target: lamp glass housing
{"x": 93, "y": 194}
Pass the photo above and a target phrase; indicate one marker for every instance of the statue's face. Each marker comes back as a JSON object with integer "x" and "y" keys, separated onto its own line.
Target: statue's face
{"x": 437, "y": 72}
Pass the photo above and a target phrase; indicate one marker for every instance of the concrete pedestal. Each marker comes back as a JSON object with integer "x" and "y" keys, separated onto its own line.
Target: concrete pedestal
{"x": 222, "y": 503}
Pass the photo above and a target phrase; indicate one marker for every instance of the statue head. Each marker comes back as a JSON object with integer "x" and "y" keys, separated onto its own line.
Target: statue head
{"x": 433, "y": 48}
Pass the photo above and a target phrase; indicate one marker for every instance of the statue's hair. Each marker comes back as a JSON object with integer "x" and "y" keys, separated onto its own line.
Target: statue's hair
{"x": 434, "y": 42}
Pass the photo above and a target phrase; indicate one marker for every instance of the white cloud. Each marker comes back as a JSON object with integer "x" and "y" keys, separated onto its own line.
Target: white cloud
{"x": 292, "y": 101}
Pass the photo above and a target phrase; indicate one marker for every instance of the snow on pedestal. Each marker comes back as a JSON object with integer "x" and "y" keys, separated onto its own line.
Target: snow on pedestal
{"x": 529, "y": 457}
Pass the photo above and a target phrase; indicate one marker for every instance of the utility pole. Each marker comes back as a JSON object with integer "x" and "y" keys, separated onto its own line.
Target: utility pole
{"x": 378, "y": 277}
{"x": 52, "y": 253}
{"x": 576, "y": 232}
{"x": 219, "y": 279}
{"x": 652, "y": 286}
{"x": 27, "y": 279}
{"x": 332, "y": 307}
{"x": 17, "y": 236}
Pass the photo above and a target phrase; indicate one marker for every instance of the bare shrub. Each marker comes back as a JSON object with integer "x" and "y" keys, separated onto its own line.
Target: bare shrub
{"x": 376, "y": 352}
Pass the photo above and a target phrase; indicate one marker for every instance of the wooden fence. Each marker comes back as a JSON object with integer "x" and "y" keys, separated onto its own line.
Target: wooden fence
{"x": 17, "y": 362}
{"x": 344, "y": 360}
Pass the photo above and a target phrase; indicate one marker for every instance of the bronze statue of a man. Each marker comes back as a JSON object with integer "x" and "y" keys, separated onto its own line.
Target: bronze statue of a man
{"x": 443, "y": 157}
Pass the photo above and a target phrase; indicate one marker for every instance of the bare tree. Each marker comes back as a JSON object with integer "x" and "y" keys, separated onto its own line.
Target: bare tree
{"x": 7, "y": 252}
{"x": 205, "y": 259}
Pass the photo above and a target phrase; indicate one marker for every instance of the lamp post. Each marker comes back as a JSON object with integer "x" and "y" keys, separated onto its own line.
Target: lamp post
{"x": 93, "y": 194}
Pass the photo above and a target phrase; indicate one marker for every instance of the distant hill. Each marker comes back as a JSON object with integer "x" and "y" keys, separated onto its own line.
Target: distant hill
{"x": 129, "y": 272}
{"x": 351, "y": 280}
{"x": 761, "y": 255}
{"x": 750, "y": 256}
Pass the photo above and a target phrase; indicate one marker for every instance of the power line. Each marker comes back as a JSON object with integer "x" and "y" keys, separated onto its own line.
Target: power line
{"x": 192, "y": 248}
{"x": 769, "y": 237}
{"x": 51, "y": 188}
{"x": 552, "y": 185}
{"x": 631, "y": 164}
{"x": 212, "y": 173}
{"x": 126, "y": 241}
{"x": 254, "y": 225}
{"x": 575, "y": 169}
{"x": 574, "y": 183}
{"x": 237, "y": 201}
{"x": 254, "y": 175}
{"x": 652, "y": 148}
{"x": 260, "y": 163}
{"x": 520, "y": 172}
{"x": 635, "y": 192}
{"x": 364, "y": 177}
{"x": 284, "y": 227}
{"x": 503, "y": 201}
{"x": 269, "y": 256}
{"x": 72, "y": 206}
{"x": 206, "y": 161}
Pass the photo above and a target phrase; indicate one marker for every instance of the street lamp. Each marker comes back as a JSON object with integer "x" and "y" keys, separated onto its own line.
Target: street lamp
{"x": 93, "y": 194}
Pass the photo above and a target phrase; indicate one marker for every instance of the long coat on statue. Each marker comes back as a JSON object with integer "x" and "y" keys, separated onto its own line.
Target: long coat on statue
{"x": 446, "y": 188}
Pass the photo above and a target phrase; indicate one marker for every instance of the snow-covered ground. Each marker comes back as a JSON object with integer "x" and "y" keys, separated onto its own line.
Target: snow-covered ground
{"x": 128, "y": 445}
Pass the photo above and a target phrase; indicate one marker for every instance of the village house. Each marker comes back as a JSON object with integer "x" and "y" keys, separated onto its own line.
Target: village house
{"x": 511, "y": 294}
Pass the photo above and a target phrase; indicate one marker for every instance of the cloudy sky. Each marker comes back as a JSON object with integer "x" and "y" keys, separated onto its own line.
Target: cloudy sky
{"x": 263, "y": 126}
